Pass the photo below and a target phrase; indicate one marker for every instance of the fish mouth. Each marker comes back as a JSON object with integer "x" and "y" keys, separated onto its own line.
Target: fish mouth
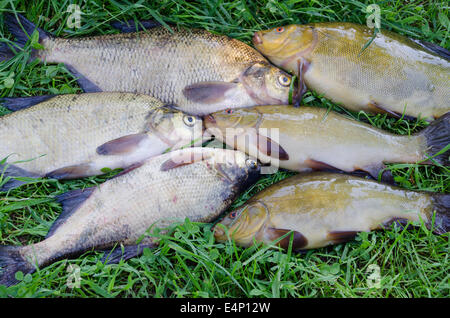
{"x": 218, "y": 231}
{"x": 257, "y": 40}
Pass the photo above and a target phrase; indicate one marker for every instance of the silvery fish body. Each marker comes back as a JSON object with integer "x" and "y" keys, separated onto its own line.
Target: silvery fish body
{"x": 72, "y": 136}
{"x": 195, "y": 70}
{"x": 194, "y": 183}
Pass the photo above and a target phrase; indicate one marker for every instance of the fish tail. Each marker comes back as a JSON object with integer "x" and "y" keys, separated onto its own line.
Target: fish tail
{"x": 17, "y": 103}
{"x": 437, "y": 136}
{"x": 5, "y": 52}
{"x": 22, "y": 29}
{"x": 441, "y": 206}
{"x": 10, "y": 263}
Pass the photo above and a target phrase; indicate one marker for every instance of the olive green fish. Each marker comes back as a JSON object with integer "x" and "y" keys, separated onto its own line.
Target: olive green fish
{"x": 306, "y": 138}
{"x": 194, "y": 183}
{"x": 195, "y": 70}
{"x": 321, "y": 209}
{"x": 73, "y": 136}
{"x": 393, "y": 74}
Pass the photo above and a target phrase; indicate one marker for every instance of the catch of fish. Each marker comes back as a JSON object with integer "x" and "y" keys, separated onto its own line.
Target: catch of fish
{"x": 152, "y": 96}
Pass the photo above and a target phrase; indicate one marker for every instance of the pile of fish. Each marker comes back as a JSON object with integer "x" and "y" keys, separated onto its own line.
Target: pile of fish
{"x": 153, "y": 97}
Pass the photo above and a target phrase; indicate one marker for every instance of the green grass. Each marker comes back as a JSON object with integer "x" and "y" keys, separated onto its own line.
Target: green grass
{"x": 188, "y": 263}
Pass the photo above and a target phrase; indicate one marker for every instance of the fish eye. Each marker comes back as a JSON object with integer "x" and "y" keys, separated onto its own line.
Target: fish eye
{"x": 252, "y": 164}
{"x": 229, "y": 111}
{"x": 189, "y": 120}
{"x": 232, "y": 215}
{"x": 279, "y": 29}
{"x": 284, "y": 80}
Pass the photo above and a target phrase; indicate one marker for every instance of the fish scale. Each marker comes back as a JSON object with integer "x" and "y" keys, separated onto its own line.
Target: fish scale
{"x": 162, "y": 63}
{"x": 393, "y": 74}
{"x": 163, "y": 190}
{"x": 73, "y": 136}
{"x": 195, "y": 70}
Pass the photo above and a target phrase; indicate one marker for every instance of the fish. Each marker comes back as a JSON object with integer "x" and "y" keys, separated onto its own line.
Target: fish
{"x": 311, "y": 138}
{"x": 393, "y": 74}
{"x": 78, "y": 135}
{"x": 313, "y": 210}
{"x": 195, "y": 70}
{"x": 195, "y": 183}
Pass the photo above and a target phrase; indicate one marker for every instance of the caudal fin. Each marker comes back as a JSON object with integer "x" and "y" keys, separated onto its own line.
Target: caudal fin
{"x": 22, "y": 29}
{"x": 10, "y": 263}
{"x": 437, "y": 135}
{"x": 441, "y": 206}
{"x": 18, "y": 103}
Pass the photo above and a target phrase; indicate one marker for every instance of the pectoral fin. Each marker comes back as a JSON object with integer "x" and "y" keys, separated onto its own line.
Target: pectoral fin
{"x": 208, "y": 92}
{"x": 302, "y": 67}
{"x": 122, "y": 145}
{"x": 298, "y": 241}
{"x": 271, "y": 149}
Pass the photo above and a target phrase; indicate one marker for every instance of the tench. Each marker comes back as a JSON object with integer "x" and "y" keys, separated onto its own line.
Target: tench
{"x": 194, "y": 183}
{"x": 73, "y": 136}
{"x": 393, "y": 74}
{"x": 326, "y": 208}
{"x": 305, "y": 138}
{"x": 196, "y": 70}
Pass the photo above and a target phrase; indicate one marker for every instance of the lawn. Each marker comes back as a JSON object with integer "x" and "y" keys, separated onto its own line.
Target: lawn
{"x": 188, "y": 263}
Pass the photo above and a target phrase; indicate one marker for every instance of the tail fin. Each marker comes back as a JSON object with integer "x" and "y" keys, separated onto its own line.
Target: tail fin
{"x": 441, "y": 205}
{"x": 18, "y": 103}
{"x": 10, "y": 263}
{"x": 5, "y": 52}
{"x": 437, "y": 135}
{"x": 9, "y": 173}
{"x": 22, "y": 29}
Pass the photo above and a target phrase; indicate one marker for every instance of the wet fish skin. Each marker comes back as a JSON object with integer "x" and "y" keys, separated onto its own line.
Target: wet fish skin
{"x": 313, "y": 138}
{"x": 72, "y": 136}
{"x": 328, "y": 208}
{"x": 194, "y": 183}
{"x": 394, "y": 74}
{"x": 196, "y": 70}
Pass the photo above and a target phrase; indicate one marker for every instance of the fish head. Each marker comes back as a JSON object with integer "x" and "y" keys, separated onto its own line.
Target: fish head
{"x": 267, "y": 84}
{"x": 282, "y": 43}
{"x": 174, "y": 127}
{"x": 236, "y": 168}
{"x": 243, "y": 224}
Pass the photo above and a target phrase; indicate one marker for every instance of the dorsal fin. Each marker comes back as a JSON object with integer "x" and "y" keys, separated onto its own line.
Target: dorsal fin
{"x": 132, "y": 26}
{"x": 70, "y": 202}
{"x": 436, "y": 49}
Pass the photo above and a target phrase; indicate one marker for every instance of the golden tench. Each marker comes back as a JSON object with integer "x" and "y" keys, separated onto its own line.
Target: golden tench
{"x": 326, "y": 208}
{"x": 393, "y": 74}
